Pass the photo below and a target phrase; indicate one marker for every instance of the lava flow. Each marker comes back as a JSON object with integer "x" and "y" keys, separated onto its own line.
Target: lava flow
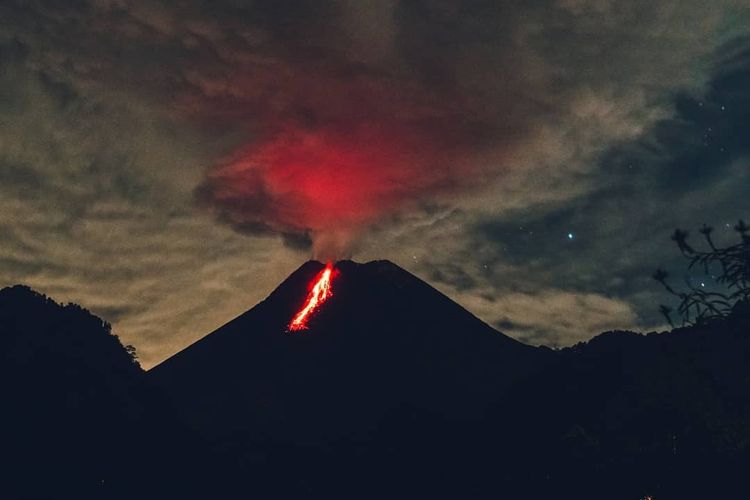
{"x": 319, "y": 293}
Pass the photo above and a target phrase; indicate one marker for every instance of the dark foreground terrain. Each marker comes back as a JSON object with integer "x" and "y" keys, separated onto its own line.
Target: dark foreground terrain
{"x": 394, "y": 391}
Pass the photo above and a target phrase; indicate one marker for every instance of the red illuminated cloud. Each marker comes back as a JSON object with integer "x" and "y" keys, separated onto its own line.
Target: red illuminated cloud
{"x": 355, "y": 162}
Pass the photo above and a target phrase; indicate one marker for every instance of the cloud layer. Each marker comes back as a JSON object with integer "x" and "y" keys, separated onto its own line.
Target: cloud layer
{"x": 464, "y": 140}
{"x": 363, "y": 110}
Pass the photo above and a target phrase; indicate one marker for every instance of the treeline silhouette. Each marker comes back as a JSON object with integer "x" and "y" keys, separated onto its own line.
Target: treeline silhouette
{"x": 79, "y": 419}
{"x": 731, "y": 265}
{"x": 626, "y": 415}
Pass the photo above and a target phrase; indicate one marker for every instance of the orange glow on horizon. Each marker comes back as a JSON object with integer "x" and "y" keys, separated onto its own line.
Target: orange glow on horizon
{"x": 319, "y": 293}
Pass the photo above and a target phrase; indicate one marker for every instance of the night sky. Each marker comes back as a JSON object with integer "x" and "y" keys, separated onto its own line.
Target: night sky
{"x": 167, "y": 164}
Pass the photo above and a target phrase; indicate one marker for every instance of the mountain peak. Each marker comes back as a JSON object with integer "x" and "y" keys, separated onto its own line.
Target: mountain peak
{"x": 383, "y": 339}
{"x": 377, "y": 290}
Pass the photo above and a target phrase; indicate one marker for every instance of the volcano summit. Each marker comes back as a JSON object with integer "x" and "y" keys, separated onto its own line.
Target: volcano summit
{"x": 385, "y": 360}
{"x": 395, "y": 391}
{"x": 382, "y": 340}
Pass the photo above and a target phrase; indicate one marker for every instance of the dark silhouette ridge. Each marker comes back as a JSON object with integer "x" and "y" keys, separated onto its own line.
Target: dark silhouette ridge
{"x": 395, "y": 391}
{"x": 382, "y": 330}
{"x": 385, "y": 354}
{"x": 79, "y": 418}
{"x": 627, "y": 415}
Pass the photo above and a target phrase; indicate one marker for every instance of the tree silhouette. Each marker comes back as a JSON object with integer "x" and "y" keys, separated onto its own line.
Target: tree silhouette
{"x": 732, "y": 263}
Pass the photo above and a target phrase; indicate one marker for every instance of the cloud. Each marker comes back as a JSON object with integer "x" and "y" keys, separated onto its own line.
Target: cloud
{"x": 437, "y": 134}
{"x": 96, "y": 208}
{"x": 344, "y": 113}
{"x": 554, "y": 317}
{"x": 450, "y": 98}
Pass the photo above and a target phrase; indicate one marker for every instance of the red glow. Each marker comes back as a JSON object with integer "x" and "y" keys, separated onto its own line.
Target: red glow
{"x": 330, "y": 182}
{"x": 319, "y": 293}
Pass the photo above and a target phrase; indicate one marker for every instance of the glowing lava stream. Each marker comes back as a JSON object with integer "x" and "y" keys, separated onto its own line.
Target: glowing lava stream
{"x": 319, "y": 293}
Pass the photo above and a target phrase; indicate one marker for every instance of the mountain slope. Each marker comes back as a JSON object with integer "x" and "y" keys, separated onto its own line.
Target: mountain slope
{"x": 384, "y": 339}
{"x": 395, "y": 391}
{"x": 79, "y": 418}
{"x": 664, "y": 414}
{"x": 386, "y": 354}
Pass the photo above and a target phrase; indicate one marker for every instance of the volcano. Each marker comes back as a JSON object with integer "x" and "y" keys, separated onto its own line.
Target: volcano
{"x": 386, "y": 355}
{"x": 390, "y": 390}
{"x": 384, "y": 340}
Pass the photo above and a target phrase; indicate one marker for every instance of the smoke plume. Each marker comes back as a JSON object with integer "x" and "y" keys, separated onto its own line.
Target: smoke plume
{"x": 337, "y": 155}
{"x": 357, "y": 110}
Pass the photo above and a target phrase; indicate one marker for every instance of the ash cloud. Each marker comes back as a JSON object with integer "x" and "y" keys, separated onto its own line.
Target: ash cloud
{"x": 356, "y": 111}
{"x": 337, "y": 114}
{"x": 478, "y": 133}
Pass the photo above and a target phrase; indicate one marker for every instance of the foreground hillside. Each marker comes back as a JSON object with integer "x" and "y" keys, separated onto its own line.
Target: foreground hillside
{"x": 394, "y": 406}
{"x": 395, "y": 388}
{"x": 664, "y": 414}
{"x": 79, "y": 419}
